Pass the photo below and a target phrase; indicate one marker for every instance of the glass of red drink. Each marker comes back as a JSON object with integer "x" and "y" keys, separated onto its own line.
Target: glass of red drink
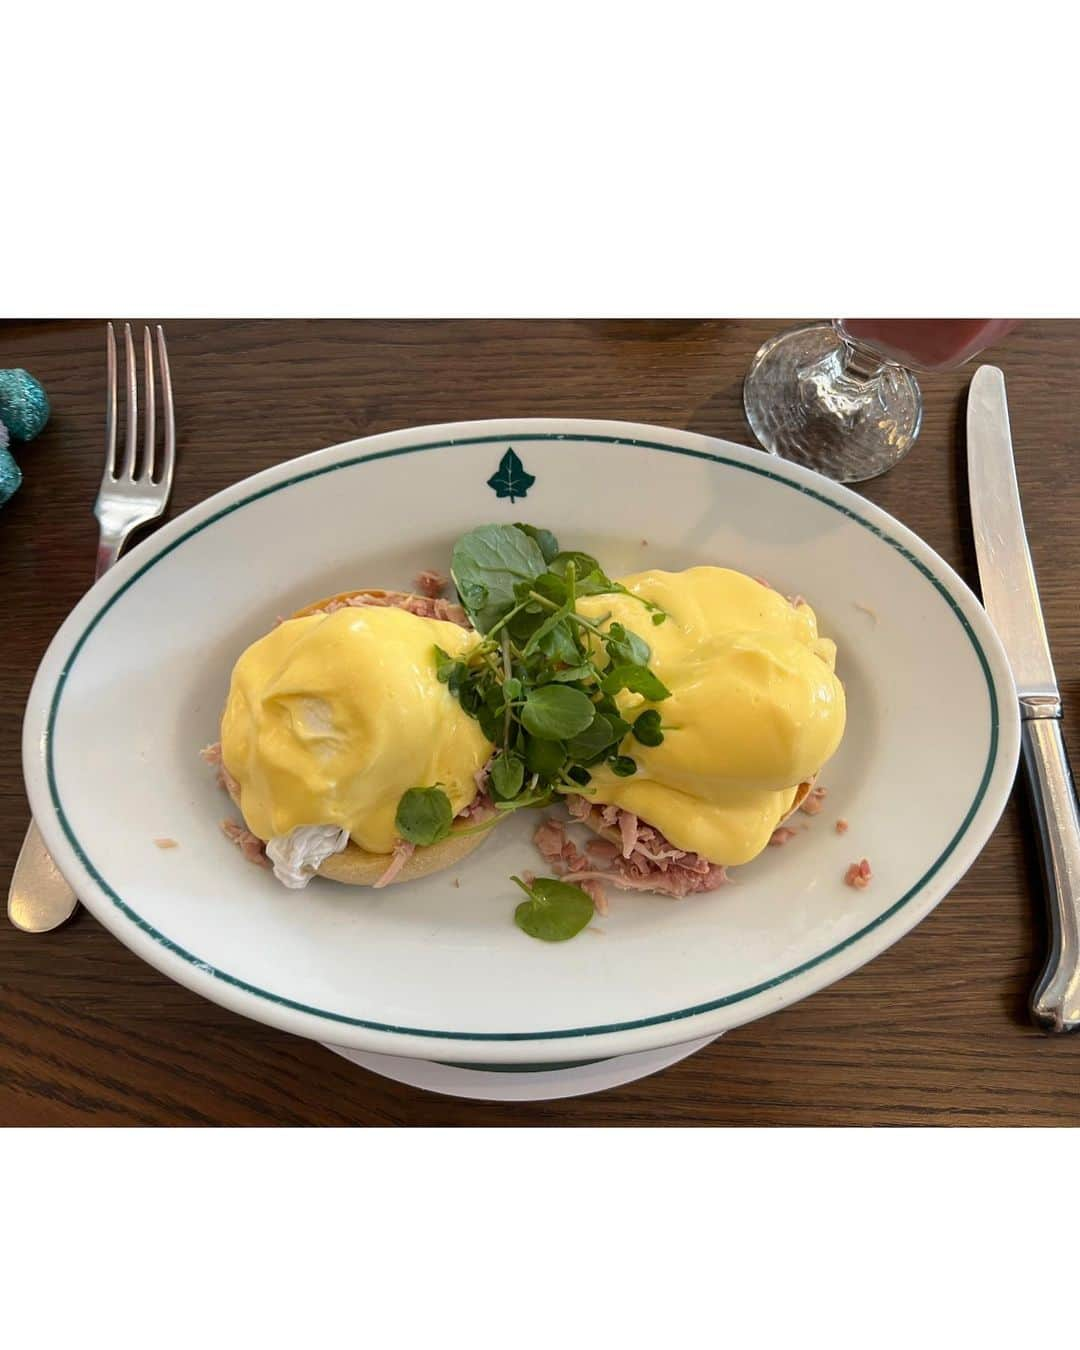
{"x": 842, "y": 397}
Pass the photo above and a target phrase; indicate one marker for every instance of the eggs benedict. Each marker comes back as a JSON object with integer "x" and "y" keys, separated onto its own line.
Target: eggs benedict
{"x": 335, "y": 714}
{"x": 754, "y": 711}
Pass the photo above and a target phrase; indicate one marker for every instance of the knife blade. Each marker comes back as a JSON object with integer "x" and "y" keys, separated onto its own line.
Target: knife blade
{"x": 1011, "y": 598}
{"x": 1010, "y": 594}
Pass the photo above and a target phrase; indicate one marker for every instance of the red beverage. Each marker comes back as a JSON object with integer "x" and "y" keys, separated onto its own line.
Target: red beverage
{"x": 927, "y": 344}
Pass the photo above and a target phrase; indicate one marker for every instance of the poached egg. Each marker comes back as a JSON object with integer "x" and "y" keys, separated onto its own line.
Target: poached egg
{"x": 330, "y": 718}
{"x": 755, "y": 710}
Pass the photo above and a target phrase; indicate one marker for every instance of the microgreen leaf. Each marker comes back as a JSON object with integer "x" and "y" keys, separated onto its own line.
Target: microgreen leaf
{"x": 544, "y": 757}
{"x": 507, "y": 775}
{"x": 492, "y": 722}
{"x": 625, "y": 647}
{"x": 623, "y": 766}
{"x": 486, "y": 564}
{"x": 558, "y": 645}
{"x": 551, "y": 587}
{"x": 573, "y": 674}
{"x": 450, "y": 672}
{"x": 638, "y": 680}
{"x": 584, "y": 565}
{"x": 600, "y": 735}
{"x": 512, "y": 687}
{"x": 545, "y": 540}
{"x": 424, "y": 815}
{"x": 554, "y": 910}
{"x": 555, "y": 711}
{"x": 549, "y": 625}
{"x": 647, "y": 728}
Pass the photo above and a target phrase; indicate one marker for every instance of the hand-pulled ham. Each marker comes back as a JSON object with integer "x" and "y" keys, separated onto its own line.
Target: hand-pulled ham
{"x": 481, "y": 808}
{"x": 594, "y": 888}
{"x": 211, "y": 754}
{"x": 431, "y": 583}
{"x": 250, "y": 845}
{"x": 423, "y": 606}
{"x": 403, "y": 851}
{"x": 783, "y": 834}
{"x": 647, "y": 861}
{"x": 814, "y": 802}
{"x": 858, "y": 875}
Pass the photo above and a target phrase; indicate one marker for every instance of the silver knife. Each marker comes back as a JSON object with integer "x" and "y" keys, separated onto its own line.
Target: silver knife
{"x": 1012, "y": 601}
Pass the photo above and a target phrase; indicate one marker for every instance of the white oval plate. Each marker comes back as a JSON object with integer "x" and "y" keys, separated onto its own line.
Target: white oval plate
{"x": 134, "y": 681}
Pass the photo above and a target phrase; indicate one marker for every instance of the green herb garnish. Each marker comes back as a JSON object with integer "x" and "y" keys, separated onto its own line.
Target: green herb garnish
{"x": 544, "y": 684}
{"x": 555, "y": 711}
{"x": 647, "y": 728}
{"x": 554, "y": 910}
{"x": 507, "y": 775}
{"x": 424, "y": 815}
{"x": 637, "y": 680}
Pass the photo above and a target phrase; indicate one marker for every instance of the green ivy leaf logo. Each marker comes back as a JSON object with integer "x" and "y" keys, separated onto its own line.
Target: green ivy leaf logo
{"x": 510, "y": 479}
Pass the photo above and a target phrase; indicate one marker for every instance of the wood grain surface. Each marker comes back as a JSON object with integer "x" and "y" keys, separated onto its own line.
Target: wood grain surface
{"x": 932, "y": 1032}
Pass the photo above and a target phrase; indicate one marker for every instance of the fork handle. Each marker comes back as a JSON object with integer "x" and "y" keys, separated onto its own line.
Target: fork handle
{"x": 1055, "y": 1002}
{"x": 110, "y": 542}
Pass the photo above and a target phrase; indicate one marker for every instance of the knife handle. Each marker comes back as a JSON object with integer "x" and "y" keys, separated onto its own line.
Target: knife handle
{"x": 1055, "y": 1000}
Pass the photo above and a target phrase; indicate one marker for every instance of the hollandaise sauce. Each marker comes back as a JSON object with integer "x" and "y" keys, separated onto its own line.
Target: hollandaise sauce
{"x": 755, "y": 708}
{"x": 332, "y": 717}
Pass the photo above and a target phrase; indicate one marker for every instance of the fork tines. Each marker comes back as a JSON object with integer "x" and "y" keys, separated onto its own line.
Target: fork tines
{"x": 150, "y": 467}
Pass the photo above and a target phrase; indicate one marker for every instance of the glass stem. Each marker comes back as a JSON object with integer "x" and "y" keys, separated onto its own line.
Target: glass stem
{"x": 858, "y": 364}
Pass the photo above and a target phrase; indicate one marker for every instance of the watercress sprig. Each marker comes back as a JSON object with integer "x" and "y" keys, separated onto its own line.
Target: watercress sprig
{"x": 543, "y": 682}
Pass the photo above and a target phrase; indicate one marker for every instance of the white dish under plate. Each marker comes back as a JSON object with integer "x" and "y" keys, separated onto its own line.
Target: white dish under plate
{"x": 522, "y": 1083}
{"x": 134, "y": 682}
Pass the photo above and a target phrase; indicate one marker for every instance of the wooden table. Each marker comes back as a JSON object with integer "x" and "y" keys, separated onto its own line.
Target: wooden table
{"x": 932, "y": 1032}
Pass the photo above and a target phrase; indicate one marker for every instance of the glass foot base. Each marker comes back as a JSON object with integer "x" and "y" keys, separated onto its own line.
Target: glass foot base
{"x": 807, "y": 400}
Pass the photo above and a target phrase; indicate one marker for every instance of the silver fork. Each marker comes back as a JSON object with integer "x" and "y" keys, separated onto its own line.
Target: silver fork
{"x": 39, "y": 898}
{"x": 126, "y": 500}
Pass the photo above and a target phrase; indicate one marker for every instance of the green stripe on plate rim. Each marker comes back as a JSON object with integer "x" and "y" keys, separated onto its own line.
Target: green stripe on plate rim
{"x": 559, "y": 1034}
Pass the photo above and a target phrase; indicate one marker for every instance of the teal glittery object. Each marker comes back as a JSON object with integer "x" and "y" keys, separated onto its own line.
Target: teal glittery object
{"x": 10, "y": 477}
{"x": 24, "y": 407}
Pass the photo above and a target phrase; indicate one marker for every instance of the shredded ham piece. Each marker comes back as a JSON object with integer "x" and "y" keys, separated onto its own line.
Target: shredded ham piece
{"x": 814, "y": 803}
{"x": 602, "y": 850}
{"x": 783, "y": 834}
{"x": 594, "y": 887}
{"x": 431, "y": 583}
{"x": 403, "y": 851}
{"x": 858, "y": 875}
{"x": 211, "y": 754}
{"x": 424, "y": 606}
{"x": 647, "y": 860}
{"x": 250, "y": 845}
{"x": 481, "y": 808}
{"x": 166, "y": 843}
{"x": 841, "y": 826}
